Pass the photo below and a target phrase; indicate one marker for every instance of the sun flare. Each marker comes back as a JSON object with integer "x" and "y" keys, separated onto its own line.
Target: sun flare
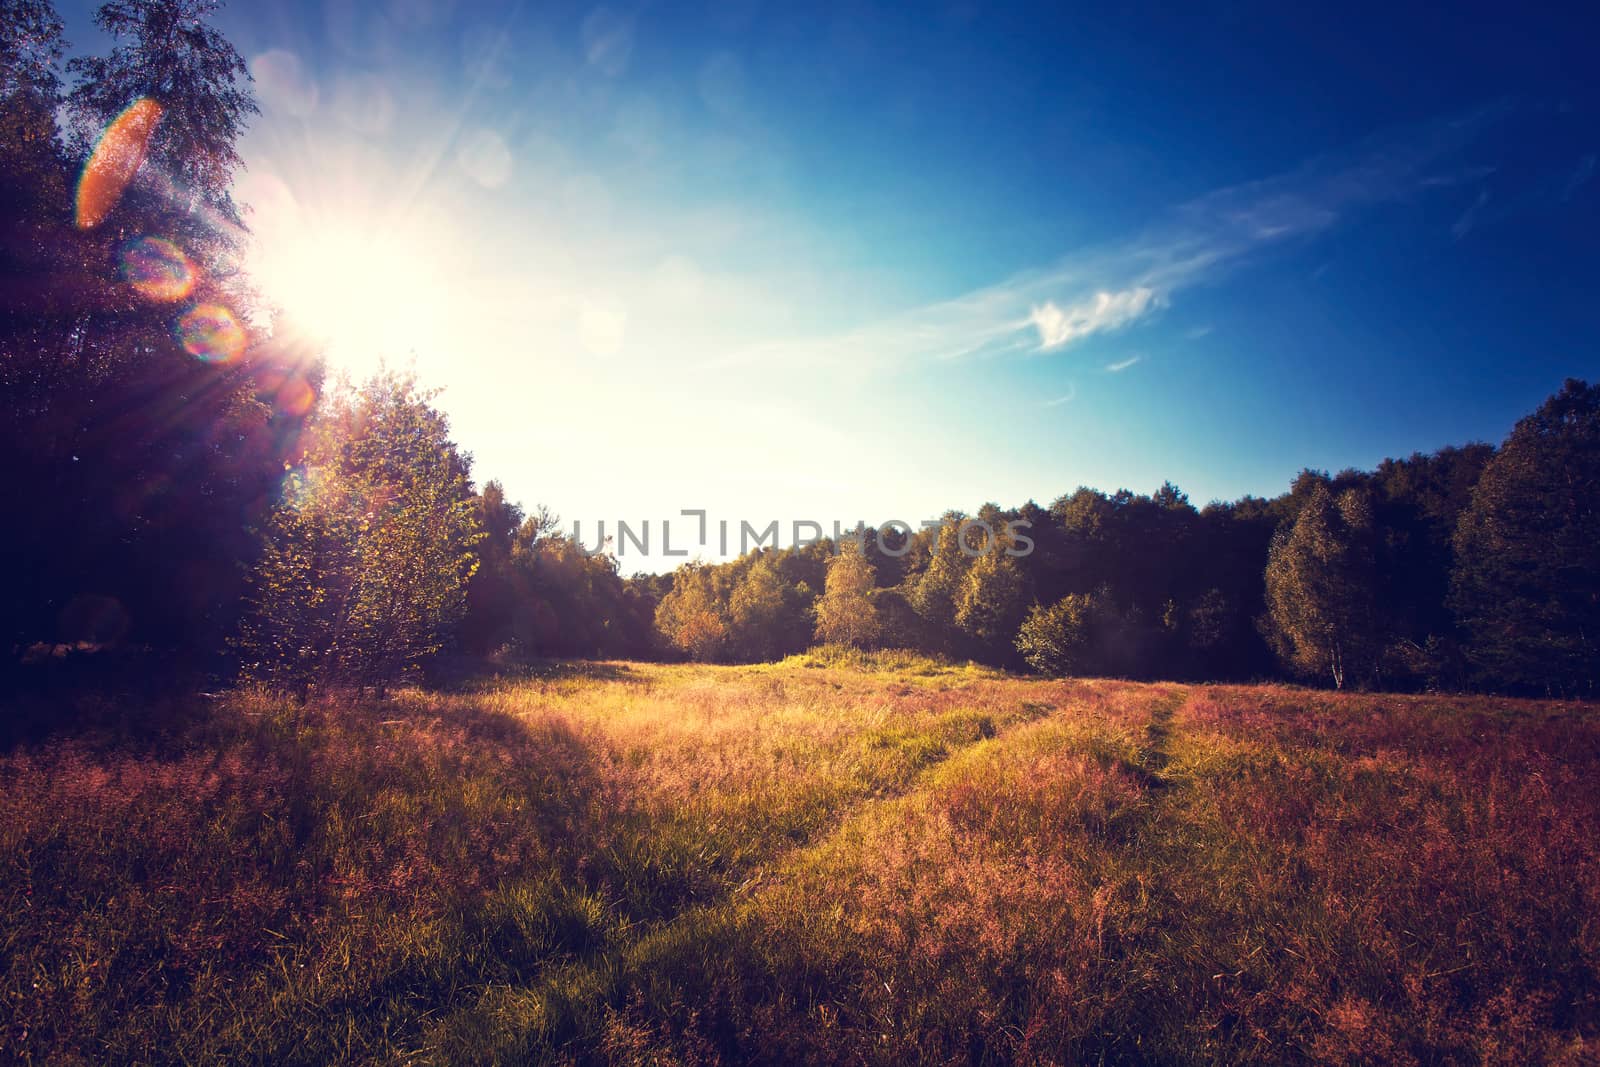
{"x": 365, "y": 294}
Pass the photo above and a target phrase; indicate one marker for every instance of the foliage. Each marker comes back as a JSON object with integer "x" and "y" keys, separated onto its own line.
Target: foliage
{"x": 990, "y": 605}
{"x": 538, "y": 594}
{"x": 763, "y": 611}
{"x": 168, "y": 51}
{"x": 1059, "y": 640}
{"x": 367, "y": 559}
{"x": 691, "y": 617}
{"x": 935, "y": 591}
{"x": 758, "y": 607}
{"x": 1527, "y": 580}
{"x": 143, "y": 467}
{"x": 1321, "y": 588}
{"x": 846, "y": 614}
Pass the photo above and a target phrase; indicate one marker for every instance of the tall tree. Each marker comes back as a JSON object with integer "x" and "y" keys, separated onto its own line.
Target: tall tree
{"x": 846, "y": 614}
{"x": 1321, "y": 588}
{"x": 1418, "y": 503}
{"x": 367, "y": 560}
{"x": 935, "y": 590}
{"x": 492, "y": 595}
{"x": 764, "y": 613}
{"x": 168, "y": 51}
{"x": 1527, "y": 578}
{"x": 991, "y": 602}
{"x": 137, "y": 403}
{"x": 31, "y": 47}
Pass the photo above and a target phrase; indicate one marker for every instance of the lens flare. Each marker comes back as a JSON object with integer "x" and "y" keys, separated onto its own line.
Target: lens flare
{"x": 295, "y": 398}
{"x": 116, "y": 159}
{"x": 157, "y": 269}
{"x": 209, "y": 332}
{"x": 288, "y": 391}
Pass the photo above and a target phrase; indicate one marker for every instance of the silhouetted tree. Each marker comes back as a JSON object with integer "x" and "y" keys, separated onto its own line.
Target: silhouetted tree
{"x": 143, "y": 413}
{"x": 1418, "y": 502}
{"x": 1527, "y": 578}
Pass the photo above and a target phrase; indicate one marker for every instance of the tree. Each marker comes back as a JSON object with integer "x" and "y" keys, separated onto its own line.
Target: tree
{"x": 366, "y": 564}
{"x": 692, "y": 617}
{"x": 990, "y": 604}
{"x": 31, "y": 47}
{"x": 1060, "y": 639}
{"x": 1527, "y": 579}
{"x": 759, "y": 610}
{"x": 169, "y": 52}
{"x": 846, "y": 614}
{"x": 492, "y": 596}
{"x": 1418, "y": 503}
{"x": 1321, "y": 591}
{"x": 142, "y": 413}
{"x": 935, "y": 592}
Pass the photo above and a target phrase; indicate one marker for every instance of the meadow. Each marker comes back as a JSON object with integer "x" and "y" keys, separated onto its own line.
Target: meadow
{"x": 837, "y": 858}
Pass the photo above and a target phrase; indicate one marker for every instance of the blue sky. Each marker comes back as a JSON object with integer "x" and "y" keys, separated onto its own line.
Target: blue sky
{"x": 872, "y": 261}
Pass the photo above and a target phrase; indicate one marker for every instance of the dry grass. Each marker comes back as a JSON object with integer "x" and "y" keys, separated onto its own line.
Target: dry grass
{"x": 874, "y": 860}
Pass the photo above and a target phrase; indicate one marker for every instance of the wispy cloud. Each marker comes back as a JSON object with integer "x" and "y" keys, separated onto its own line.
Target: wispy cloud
{"x": 1065, "y": 398}
{"x": 1113, "y": 286}
{"x": 1196, "y": 332}
{"x": 1123, "y": 364}
{"x": 1058, "y": 326}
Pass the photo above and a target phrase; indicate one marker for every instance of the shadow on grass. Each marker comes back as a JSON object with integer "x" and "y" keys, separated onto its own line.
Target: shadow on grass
{"x": 439, "y": 843}
{"x": 147, "y": 701}
{"x": 105, "y": 701}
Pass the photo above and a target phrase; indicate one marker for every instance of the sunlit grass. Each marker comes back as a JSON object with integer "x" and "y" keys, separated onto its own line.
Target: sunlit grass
{"x": 873, "y": 859}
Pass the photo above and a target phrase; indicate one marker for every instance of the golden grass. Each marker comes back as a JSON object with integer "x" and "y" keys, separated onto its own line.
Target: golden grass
{"x": 866, "y": 859}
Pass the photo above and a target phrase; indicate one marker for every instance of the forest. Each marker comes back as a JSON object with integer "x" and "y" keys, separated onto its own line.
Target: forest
{"x": 199, "y": 500}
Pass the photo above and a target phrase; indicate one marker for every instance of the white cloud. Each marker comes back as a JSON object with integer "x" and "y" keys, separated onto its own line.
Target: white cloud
{"x": 1065, "y": 398}
{"x": 1058, "y": 326}
{"x": 1123, "y": 364}
{"x": 1104, "y": 288}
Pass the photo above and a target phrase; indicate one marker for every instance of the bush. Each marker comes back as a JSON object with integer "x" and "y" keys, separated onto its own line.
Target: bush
{"x": 1059, "y": 639}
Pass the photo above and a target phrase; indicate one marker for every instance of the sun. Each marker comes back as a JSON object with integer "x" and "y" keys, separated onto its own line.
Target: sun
{"x": 366, "y": 294}
{"x": 356, "y": 274}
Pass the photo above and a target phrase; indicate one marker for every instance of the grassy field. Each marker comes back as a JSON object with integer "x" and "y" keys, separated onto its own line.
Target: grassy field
{"x": 872, "y": 861}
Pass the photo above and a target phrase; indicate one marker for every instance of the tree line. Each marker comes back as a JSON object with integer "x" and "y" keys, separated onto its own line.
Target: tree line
{"x": 1466, "y": 567}
{"x": 191, "y": 489}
